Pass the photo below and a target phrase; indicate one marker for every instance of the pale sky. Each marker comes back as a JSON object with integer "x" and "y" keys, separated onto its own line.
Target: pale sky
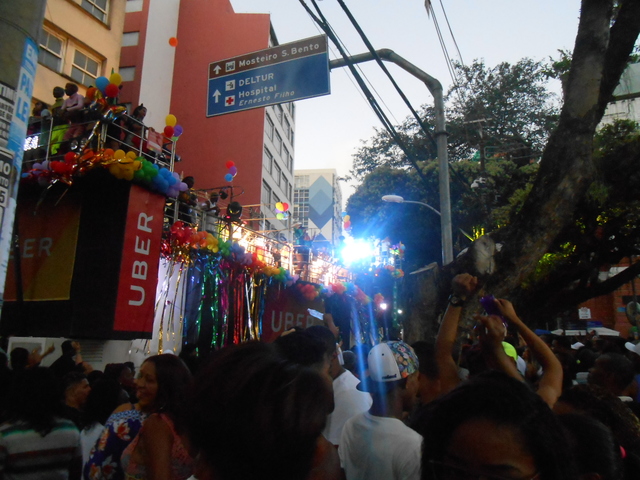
{"x": 329, "y": 129}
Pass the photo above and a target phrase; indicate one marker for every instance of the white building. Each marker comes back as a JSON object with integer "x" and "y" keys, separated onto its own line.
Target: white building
{"x": 626, "y": 103}
{"x": 317, "y": 199}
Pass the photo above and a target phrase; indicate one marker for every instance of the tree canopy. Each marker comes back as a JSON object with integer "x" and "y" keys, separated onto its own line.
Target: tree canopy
{"x": 580, "y": 213}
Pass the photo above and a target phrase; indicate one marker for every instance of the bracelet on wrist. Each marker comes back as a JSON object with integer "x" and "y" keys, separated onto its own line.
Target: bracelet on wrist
{"x": 456, "y": 301}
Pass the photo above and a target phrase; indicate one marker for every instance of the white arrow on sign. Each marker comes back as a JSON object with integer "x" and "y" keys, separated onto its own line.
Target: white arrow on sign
{"x": 216, "y": 95}
{"x": 217, "y": 69}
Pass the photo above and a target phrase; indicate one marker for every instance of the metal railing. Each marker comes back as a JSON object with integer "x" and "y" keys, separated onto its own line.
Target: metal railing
{"x": 50, "y": 139}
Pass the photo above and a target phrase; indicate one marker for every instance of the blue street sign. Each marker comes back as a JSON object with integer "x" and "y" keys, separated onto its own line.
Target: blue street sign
{"x": 285, "y": 73}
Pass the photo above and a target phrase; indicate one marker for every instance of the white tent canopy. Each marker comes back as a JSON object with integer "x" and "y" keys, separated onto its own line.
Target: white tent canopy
{"x": 600, "y": 331}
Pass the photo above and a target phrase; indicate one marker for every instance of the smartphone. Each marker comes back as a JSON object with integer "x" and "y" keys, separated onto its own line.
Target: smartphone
{"x": 315, "y": 313}
{"x": 489, "y": 304}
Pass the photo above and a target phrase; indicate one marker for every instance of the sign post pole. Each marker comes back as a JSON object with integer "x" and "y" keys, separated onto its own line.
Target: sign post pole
{"x": 21, "y": 23}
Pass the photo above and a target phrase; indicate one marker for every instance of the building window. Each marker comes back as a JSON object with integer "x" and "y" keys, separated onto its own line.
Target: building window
{"x": 279, "y": 113}
{"x": 285, "y": 187}
{"x": 276, "y": 199}
{"x": 269, "y": 128}
{"x": 292, "y": 139}
{"x": 266, "y": 193}
{"x": 133, "y": 6}
{"x": 277, "y": 173}
{"x": 50, "y": 51}
{"x": 84, "y": 69}
{"x": 268, "y": 160}
{"x": 301, "y": 214}
{"x": 97, "y": 8}
{"x": 130, "y": 39}
{"x": 128, "y": 74}
{"x": 287, "y": 128}
{"x": 277, "y": 143}
{"x": 286, "y": 158}
{"x": 302, "y": 181}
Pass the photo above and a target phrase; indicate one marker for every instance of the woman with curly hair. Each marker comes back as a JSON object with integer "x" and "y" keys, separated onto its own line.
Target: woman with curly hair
{"x": 144, "y": 440}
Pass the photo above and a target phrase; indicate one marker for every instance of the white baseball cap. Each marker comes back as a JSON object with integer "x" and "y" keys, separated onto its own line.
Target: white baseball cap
{"x": 633, "y": 348}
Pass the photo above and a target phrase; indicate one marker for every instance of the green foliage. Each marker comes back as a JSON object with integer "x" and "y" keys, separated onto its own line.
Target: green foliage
{"x": 517, "y": 111}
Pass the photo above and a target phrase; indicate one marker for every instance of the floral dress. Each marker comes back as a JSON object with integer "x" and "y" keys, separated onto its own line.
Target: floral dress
{"x": 119, "y": 431}
{"x": 181, "y": 461}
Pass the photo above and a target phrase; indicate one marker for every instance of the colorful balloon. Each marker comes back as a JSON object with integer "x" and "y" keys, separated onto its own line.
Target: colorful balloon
{"x": 229, "y": 164}
{"x": 173, "y": 41}
{"x": 177, "y": 130}
{"x": 101, "y": 83}
{"x": 228, "y": 177}
{"x": 233, "y": 171}
{"x": 116, "y": 79}
{"x": 285, "y": 206}
{"x": 347, "y": 218}
{"x": 91, "y": 93}
{"x": 170, "y": 121}
{"x": 111, "y": 90}
{"x": 168, "y": 131}
{"x": 279, "y": 206}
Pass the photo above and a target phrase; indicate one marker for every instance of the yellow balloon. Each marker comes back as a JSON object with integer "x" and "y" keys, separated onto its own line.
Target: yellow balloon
{"x": 171, "y": 120}
{"x": 115, "y": 78}
{"x": 279, "y": 206}
{"x": 119, "y": 154}
{"x": 132, "y": 155}
{"x": 347, "y": 218}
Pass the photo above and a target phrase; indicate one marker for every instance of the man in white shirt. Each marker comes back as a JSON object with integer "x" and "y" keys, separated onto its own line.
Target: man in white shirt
{"x": 376, "y": 444}
{"x": 348, "y": 400}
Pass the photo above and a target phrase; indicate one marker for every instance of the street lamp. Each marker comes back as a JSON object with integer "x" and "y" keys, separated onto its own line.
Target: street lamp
{"x": 447, "y": 245}
{"x": 399, "y": 199}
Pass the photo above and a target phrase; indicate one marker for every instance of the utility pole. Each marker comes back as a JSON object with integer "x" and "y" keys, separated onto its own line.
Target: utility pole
{"x": 21, "y": 22}
{"x": 435, "y": 87}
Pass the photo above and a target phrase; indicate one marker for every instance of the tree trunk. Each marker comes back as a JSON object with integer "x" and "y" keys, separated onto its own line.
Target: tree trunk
{"x": 566, "y": 169}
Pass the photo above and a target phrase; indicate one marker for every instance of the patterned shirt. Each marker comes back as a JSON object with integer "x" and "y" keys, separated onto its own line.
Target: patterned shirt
{"x": 119, "y": 431}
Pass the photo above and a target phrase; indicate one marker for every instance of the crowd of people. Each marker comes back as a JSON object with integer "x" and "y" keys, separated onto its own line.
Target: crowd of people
{"x": 503, "y": 404}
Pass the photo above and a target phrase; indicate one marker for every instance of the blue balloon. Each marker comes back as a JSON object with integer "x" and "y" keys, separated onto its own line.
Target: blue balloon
{"x": 228, "y": 177}
{"x": 344, "y": 214}
{"x": 101, "y": 83}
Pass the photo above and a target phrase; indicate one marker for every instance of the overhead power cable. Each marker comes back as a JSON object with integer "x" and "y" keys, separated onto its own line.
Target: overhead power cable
{"x": 381, "y": 64}
{"x": 322, "y": 22}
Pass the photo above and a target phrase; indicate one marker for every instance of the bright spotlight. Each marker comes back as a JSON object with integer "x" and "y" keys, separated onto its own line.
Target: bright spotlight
{"x": 383, "y": 306}
{"x": 355, "y": 250}
{"x": 399, "y": 312}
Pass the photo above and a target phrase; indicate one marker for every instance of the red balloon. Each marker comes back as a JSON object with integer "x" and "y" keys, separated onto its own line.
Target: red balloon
{"x": 69, "y": 157}
{"x": 168, "y": 131}
{"x": 229, "y": 164}
{"x": 111, "y": 90}
{"x": 285, "y": 206}
{"x": 58, "y": 167}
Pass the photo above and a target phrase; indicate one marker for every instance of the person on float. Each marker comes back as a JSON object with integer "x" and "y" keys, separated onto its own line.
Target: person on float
{"x": 71, "y": 111}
